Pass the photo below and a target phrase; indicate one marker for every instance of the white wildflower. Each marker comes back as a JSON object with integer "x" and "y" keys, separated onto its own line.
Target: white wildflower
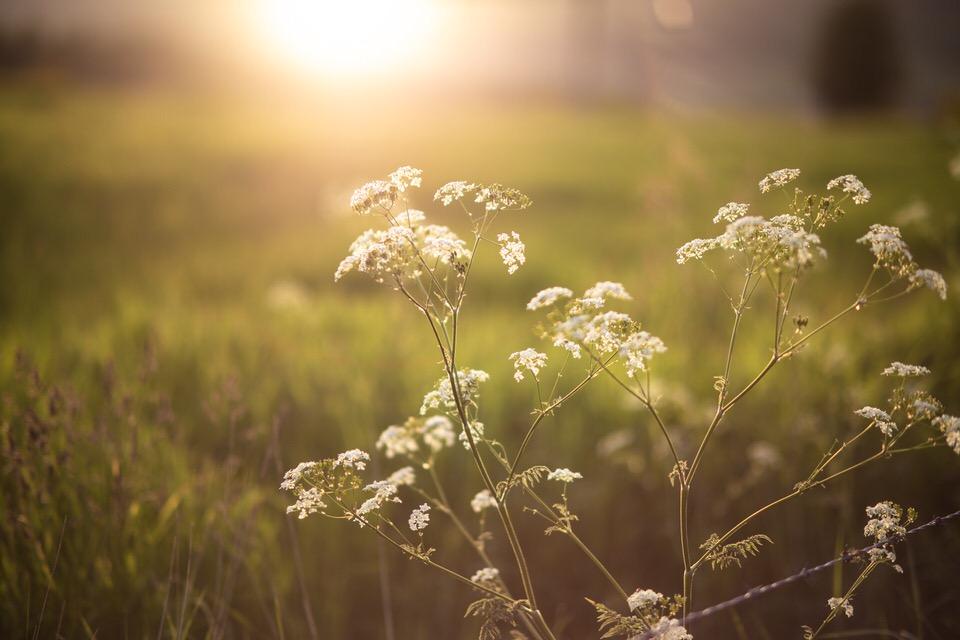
{"x": 883, "y": 420}
{"x": 696, "y": 249}
{"x": 476, "y": 430}
{"x": 419, "y": 518}
{"x": 404, "y": 476}
{"x": 397, "y": 441}
{"x": 669, "y": 629}
{"x": 293, "y": 477}
{"x": 950, "y": 427}
{"x": 884, "y": 523}
{"x": 441, "y": 244}
{"x": 607, "y": 289}
{"x": 383, "y": 492}
{"x": 406, "y": 177}
{"x": 438, "y": 432}
{"x": 378, "y": 193}
{"x": 730, "y": 212}
{"x": 453, "y": 191}
{"x": 527, "y": 360}
{"x": 638, "y": 349}
{"x": 483, "y": 500}
{"x": 607, "y": 331}
{"x": 353, "y": 459}
{"x": 548, "y": 297}
{"x": 930, "y": 279}
{"x": 309, "y": 501}
{"x": 643, "y": 598}
{"x": 564, "y": 475}
{"x": 511, "y": 251}
{"x": 379, "y": 253}
{"x": 441, "y": 397}
{"x": 841, "y": 603}
{"x": 410, "y": 217}
{"x": 925, "y": 406}
{"x": 568, "y": 345}
{"x": 778, "y": 178}
{"x": 496, "y": 197}
{"x": 487, "y": 574}
{"x": 851, "y": 184}
{"x": 889, "y": 249}
{"x": 905, "y": 370}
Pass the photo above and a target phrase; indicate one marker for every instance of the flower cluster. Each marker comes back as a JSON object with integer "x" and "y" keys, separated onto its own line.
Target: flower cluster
{"x": 889, "y": 250}
{"x": 887, "y": 523}
{"x": 902, "y": 370}
{"x": 564, "y": 475}
{"x": 583, "y": 322}
{"x": 442, "y": 396}
{"x": 778, "y": 178}
{"x": 950, "y": 427}
{"x": 643, "y": 598}
{"x": 486, "y": 576}
{"x": 511, "y": 251}
{"x": 482, "y": 501}
{"x": 419, "y": 518}
{"x": 851, "y": 184}
{"x": 528, "y": 360}
{"x": 841, "y": 603}
{"x": 435, "y": 432}
{"x": 880, "y": 417}
{"x": 782, "y": 241}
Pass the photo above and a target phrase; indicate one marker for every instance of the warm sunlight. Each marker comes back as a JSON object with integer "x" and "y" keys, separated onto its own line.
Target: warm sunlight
{"x": 356, "y": 37}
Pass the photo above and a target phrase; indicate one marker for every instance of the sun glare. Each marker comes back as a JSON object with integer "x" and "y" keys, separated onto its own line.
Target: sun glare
{"x": 347, "y": 37}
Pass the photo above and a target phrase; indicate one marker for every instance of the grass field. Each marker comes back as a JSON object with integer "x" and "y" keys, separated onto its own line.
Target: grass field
{"x": 171, "y": 339}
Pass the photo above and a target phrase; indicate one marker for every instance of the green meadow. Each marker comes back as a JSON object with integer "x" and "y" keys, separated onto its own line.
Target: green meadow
{"x": 171, "y": 340}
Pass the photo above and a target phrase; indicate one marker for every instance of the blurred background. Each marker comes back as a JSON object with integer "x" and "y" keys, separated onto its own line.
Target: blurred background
{"x": 174, "y": 188}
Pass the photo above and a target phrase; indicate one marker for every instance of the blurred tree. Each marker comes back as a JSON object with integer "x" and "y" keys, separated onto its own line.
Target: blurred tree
{"x": 857, "y": 62}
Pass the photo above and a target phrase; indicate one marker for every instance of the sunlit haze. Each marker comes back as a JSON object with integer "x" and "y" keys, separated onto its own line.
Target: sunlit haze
{"x": 358, "y": 37}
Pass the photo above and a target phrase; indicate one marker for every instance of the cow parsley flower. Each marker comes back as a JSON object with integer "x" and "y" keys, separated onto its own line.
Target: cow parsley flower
{"x": 527, "y": 360}
{"x": 441, "y": 244}
{"x": 643, "y": 598}
{"x": 410, "y": 217}
{"x": 511, "y": 251}
{"x": 419, "y": 518}
{"x": 548, "y": 297}
{"x": 293, "y": 477}
{"x": 884, "y": 521}
{"x": 441, "y": 397}
{"x": 379, "y": 252}
{"x": 669, "y": 629}
{"x": 485, "y": 575}
{"x": 931, "y": 280}
{"x": 841, "y": 603}
{"x": 453, "y": 191}
{"x": 438, "y": 432}
{"x": 308, "y": 501}
{"x": 905, "y": 370}
{"x": 638, "y": 349}
{"x": 404, "y": 476}
{"x": 406, "y": 177}
{"x": 496, "y": 197}
{"x": 383, "y": 492}
{"x": 607, "y": 289}
{"x": 950, "y": 427}
{"x": 607, "y": 331}
{"x": 851, "y": 184}
{"x": 730, "y": 212}
{"x": 397, "y": 441}
{"x": 696, "y": 249}
{"x": 476, "y": 430}
{"x": 564, "y": 475}
{"x": 925, "y": 406}
{"x": 483, "y": 500}
{"x": 884, "y": 422}
{"x": 378, "y": 193}
{"x": 352, "y": 459}
{"x": 778, "y": 178}
{"x": 889, "y": 249}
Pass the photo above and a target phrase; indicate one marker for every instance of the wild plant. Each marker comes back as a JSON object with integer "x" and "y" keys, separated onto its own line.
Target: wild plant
{"x": 430, "y": 266}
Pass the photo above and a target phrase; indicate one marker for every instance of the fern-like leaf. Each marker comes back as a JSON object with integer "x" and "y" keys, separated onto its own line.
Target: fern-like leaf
{"x": 733, "y": 553}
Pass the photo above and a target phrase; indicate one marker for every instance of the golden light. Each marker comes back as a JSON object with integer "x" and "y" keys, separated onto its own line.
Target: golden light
{"x": 347, "y": 37}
